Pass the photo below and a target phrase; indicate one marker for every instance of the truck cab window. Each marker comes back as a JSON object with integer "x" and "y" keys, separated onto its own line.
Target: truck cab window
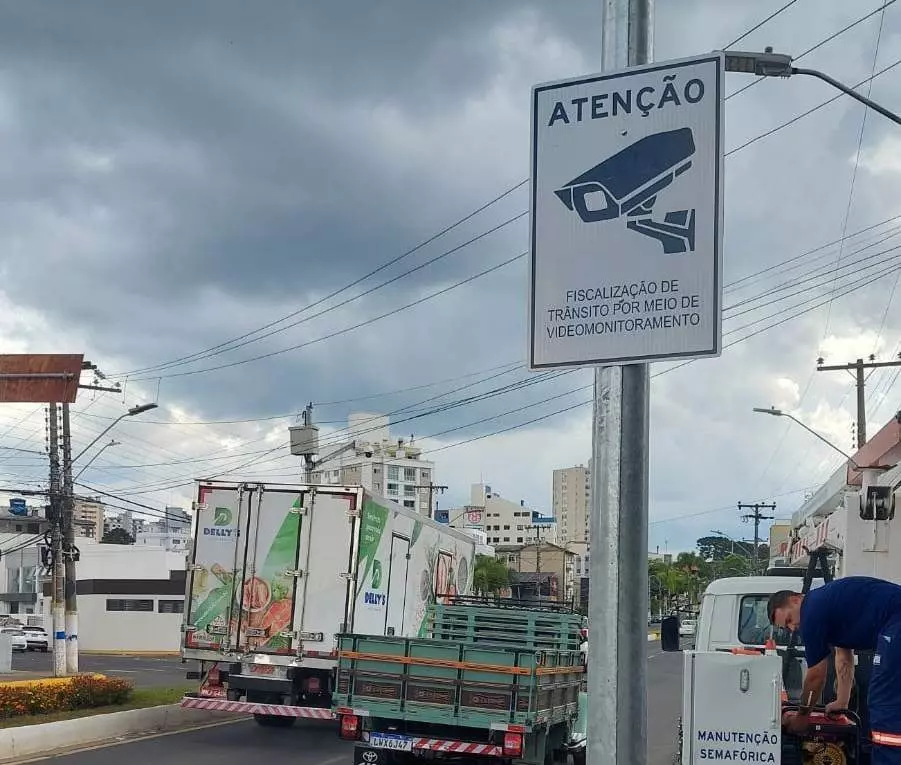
{"x": 754, "y": 625}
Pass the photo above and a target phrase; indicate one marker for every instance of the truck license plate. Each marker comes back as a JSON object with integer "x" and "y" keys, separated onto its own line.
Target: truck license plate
{"x": 390, "y": 741}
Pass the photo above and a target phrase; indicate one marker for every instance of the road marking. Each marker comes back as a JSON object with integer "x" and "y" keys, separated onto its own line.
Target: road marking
{"x": 133, "y": 740}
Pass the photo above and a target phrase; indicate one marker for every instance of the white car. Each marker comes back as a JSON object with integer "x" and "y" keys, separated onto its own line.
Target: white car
{"x": 687, "y": 628}
{"x": 37, "y": 639}
{"x": 20, "y": 643}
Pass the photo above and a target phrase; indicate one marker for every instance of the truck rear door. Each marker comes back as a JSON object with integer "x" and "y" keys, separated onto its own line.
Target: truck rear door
{"x": 216, "y": 555}
{"x": 327, "y": 554}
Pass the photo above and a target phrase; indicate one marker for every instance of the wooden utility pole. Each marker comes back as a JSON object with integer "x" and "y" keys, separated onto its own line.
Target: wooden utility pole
{"x": 856, "y": 369}
{"x": 757, "y": 517}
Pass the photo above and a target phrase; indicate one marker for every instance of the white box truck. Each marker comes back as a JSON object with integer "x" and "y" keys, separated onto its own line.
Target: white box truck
{"x": 277, "y": 571}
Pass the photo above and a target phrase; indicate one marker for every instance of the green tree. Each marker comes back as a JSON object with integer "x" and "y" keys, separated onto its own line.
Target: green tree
{"x": 714, "y": 547}
{"x": 733, "y": 565}
{"x": 490, "y": 576}
{"x": 117, "y": 537}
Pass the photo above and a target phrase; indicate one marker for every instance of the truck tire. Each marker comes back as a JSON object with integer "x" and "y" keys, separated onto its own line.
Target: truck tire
{"x": 274, "y": 721}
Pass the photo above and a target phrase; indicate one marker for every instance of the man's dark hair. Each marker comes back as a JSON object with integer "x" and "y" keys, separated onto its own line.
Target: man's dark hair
{"x": 779, "y": 600}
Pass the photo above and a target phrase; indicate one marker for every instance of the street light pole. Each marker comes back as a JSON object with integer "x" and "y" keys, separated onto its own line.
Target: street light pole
{"x": 769, "y": 64}
{"x": 96, "y": 455}
{"x": 135, "y": 410}
{"x": 779, "y": 413}
{"x": 67, "y": 523}
{"x": 617, "y": 693}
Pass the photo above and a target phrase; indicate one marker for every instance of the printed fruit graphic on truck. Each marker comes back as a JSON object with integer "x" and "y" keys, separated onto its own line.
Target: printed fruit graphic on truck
{"x": 256, "y": 594}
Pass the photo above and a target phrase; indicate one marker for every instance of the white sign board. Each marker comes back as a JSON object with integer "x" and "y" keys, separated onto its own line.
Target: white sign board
{"x": 627, "y": 215}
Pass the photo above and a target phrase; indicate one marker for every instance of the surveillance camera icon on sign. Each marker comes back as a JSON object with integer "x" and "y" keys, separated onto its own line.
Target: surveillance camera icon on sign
{"x": 628, "y": 184}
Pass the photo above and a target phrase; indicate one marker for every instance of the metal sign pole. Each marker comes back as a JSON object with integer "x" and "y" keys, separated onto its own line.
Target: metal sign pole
{"x": 618, "y": 604}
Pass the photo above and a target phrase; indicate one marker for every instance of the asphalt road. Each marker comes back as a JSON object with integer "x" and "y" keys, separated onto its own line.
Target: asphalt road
{"x": 143, "y": 671}
{"x": 314, "y": 743}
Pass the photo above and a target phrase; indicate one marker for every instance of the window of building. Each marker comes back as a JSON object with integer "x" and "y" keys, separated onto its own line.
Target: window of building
{"x": 507, "y": 527}
{"x": 519, "y": 539}
{"x": 122, "y": 604}
{"x": 410, "y": 503}
{"x": 409, "y": 491}
{"x": 409, "y": 474}
{"x": 393, "y": 472}
{"x": 506, "y": 539}
{"x": 376, "y": 469}
{"x": 425, "y": 475}
{"x": 171, "y": 606}
{"x": 392, "y": 488}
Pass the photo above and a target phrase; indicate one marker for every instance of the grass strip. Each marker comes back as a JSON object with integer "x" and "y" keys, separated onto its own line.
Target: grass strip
{"x": 141, "y": 698}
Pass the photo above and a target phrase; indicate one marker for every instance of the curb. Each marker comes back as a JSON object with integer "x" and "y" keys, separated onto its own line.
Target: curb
{"x": 46, "y": 738}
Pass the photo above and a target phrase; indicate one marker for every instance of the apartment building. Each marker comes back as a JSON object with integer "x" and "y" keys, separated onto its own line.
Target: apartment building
{"x": 89, "y": 518}
{"x": 571, "y": 503}
{"x": 372, "y": 458}
{"x": 504, "y": 521}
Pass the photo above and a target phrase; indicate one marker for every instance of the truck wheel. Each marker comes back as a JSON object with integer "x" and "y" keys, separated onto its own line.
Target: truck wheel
{"x": 579, "y": 756}
{"x": 274, "y": 721}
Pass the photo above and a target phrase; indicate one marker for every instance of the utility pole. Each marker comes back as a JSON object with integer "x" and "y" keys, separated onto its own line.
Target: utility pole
{"x": 432, "y": 487}
{"x": 856, "y": 368}
{"x": 617, "y": 689}
{"x": 56, "y": 547}
{"x": 67, "y": 522}
{"x": 757, "y": 517}
{"x": 308, "y": 457}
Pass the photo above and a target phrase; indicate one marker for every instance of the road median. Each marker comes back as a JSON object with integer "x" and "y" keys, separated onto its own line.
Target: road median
{"x": 26, "y": 741}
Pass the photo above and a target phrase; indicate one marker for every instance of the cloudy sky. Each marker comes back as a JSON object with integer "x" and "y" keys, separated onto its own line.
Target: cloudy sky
{"x": 177, "y": 182}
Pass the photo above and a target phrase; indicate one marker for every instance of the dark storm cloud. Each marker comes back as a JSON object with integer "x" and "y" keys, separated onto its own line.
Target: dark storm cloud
{"x": 240, "y": 142}
{"x": 176, "y": 175}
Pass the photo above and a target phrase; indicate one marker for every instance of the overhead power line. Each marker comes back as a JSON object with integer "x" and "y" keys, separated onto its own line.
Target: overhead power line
{"x": 759, "y": 24}
{"x": 248, "y": 337}
{"x": 335, "y": 293}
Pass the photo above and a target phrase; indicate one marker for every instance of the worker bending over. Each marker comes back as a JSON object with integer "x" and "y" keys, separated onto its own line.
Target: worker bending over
{"x": 852, "y": 613}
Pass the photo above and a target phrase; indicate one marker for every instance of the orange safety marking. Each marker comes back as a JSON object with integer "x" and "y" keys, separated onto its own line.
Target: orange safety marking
{"x": 886, "y": 739}
{"x": 412, "y": 660}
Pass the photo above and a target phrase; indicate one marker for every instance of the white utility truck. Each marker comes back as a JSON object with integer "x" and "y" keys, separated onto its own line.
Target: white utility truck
{"x": 737, "y": 684}
{"x": 277, "y": 571}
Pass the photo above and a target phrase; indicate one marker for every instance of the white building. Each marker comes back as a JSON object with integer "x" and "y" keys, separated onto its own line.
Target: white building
{"x": 174, "y": 541}
{"x": 125, "y": 521}
{"x": 19, "y": 573}
{"x": 571, "y": 503}
{"x": 22, "y": 528}
{"x": 504, "y": 522}
{"x": 130, "y": 598}
{"x": 391, "y": 467}
{"x": 481, "y": 538}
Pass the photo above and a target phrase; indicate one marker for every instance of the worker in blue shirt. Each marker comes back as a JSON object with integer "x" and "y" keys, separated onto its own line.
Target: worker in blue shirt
{"x": 852, "y": 613}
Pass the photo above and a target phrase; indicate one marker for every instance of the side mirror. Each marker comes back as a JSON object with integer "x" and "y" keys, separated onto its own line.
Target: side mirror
{"x": 669, "y": 634}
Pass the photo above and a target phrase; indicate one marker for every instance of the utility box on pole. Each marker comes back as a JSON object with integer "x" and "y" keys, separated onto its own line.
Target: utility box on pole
{"x": 304, "y": 440}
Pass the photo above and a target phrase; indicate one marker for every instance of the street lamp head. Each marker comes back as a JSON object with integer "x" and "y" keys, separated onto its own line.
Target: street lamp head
{"x": 772, "y": 410}
{"x": 141, "y": 409}
{"x": 766, "y": 64}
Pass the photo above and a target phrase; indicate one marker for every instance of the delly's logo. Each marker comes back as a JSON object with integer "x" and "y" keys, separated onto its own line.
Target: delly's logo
{"x": 371, "y": 598}
{"x": 629, "y": 182}
{"x": 222, "y": 516}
